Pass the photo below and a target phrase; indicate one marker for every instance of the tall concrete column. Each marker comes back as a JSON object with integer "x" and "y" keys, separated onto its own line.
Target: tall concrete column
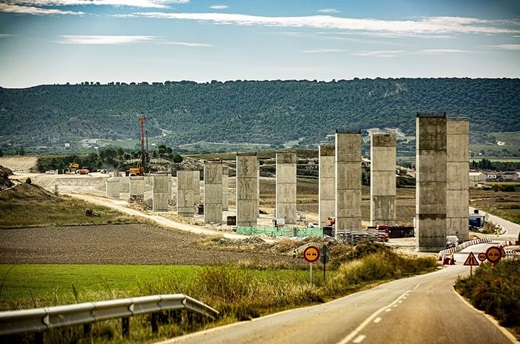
{"x": 327, "y": 194}
{"x": 113, "y": 187}
{"x": 161, "y": 187}
{"x": 348, "y": 182}
{"x": 225, "y": 187}
{"x": 431, "y": 181}
{"x": 196, "y": 187}
{"x": 186, "y": 199}
{"x": 286, "y": 187}
{"x": 247, "y": 189}
{"x": 382, "y": 180}
{"x": 457, "y": 186}
{"x": 137, "y": 187}
{"x": 213, "y": 192}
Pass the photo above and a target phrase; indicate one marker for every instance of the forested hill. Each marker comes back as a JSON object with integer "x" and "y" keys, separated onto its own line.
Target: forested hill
{"x": 250, "y": 111}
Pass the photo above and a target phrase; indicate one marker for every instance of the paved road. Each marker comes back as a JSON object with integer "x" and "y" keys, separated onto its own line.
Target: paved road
{"x": 422, "y": 309}
{"x": 512, "y": 229}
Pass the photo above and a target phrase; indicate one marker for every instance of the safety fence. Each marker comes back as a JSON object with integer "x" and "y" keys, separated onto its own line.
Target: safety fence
{"x": 462, "y": 246}
{"x": 40, "y": 320}
{"x": 276, "y": 232}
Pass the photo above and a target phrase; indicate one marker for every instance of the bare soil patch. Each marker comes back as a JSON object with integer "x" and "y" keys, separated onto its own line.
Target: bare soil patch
{"x": 134, "y": 244}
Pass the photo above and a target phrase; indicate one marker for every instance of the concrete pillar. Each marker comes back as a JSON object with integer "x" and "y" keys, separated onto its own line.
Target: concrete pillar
{"x": 137, "y": 187}
{"x": 213, "y": 192}
{"x": 327, "y": 194}
{"x": 225, "y": 187}
{"x": 431, "y": 181}
{"x": 196, "y": 187}
{"x": 348, "y": 182}
{"x": 457, "y": 185}
{"x": 113, "y": 188}
{"x": 161, "y": 188}
{"x": 382, "y": 180}
{"x": 247, "y": 189}
{"x": 286, "y": 187}
{"x": 186, "y": 199}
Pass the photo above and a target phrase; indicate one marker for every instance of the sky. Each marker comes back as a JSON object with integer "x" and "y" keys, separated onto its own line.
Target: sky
{"x": 60, "y": 41}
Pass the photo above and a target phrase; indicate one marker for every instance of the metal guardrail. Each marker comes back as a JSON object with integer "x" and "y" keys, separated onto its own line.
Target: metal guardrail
{"x": 42, "y": 319}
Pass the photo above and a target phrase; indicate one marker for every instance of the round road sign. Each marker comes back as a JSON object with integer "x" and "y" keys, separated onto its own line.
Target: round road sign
{"x": 482, "y": 257}
{"x": 493, "y": 254}
{"x": 311, "y": 254}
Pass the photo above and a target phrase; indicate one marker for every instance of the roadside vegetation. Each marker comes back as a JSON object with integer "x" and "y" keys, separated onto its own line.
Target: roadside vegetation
{"x": 496, "y": 291}
{"x": 239, "y": 291}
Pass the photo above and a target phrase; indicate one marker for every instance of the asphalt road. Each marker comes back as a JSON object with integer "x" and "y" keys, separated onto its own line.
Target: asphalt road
{"x": 421, "y": 309}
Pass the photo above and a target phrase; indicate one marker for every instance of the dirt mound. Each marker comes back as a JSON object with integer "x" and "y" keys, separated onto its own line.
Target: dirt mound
{"x": 5, "y": 183}
{"x": 23, "y": 163}
{"x": 28, "y": 192}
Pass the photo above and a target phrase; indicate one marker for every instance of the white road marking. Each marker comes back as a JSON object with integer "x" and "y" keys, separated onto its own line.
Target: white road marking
{"x": 378, "y": 320}
{"x": 388, "y": 309}
{"x": 359, "y": 339}
{"x": 370, "y": 319}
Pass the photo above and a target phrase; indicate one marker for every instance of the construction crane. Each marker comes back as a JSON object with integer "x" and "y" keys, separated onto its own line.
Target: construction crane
{"x": 140, "y": 169}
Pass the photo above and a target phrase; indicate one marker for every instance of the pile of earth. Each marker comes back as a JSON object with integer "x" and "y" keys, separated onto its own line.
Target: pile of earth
{"x": 27, "y": 192}
{"x": 5, "y": 182}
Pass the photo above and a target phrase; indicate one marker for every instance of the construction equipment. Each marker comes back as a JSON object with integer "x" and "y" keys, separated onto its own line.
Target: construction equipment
{"x": 141, "y": 166}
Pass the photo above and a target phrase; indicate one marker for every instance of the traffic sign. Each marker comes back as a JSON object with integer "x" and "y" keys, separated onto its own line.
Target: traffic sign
{"x": 324, "y": 254}
{"x": 482, "y": 257}
{"x": 471, "y": 260}
{"x": 493, "y": 254}
{"x": 311, "y": 254}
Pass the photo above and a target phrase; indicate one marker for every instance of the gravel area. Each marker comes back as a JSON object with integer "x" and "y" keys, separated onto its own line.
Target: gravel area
{"x": 139, "y": 244}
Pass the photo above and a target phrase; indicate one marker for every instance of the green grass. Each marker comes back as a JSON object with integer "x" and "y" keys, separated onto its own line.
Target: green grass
{"x": 238, "y": 292}
{"x": 51, "y": 284}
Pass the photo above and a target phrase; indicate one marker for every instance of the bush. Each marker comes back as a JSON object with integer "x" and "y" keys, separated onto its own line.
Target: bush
{"x": 495, "y": 291}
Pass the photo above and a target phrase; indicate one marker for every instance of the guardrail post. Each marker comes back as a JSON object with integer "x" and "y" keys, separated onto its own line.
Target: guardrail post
{"x": 38, "y": 337}
{"x": 125, "y": 322}
{"x": 87, "y": 328}
{"x": 155, "y": 322}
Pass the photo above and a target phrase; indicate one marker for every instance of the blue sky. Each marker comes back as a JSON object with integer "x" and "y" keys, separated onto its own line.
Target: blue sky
{"x": 60, "y": 41}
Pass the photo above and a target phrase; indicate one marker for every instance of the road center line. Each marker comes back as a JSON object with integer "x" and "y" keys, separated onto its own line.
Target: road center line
{"x": 359, "y": 339}
{"x": 377, "y": 320}
{"x": 370, "y": 319}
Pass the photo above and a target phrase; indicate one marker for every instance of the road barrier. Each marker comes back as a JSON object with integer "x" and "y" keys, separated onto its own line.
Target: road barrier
{"x": 462, "y": 246}
{"x": 42, "y": 319}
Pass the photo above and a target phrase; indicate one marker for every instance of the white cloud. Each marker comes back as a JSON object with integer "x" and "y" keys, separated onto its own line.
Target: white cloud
{"x": 425, "y": 26}
{"x": 443, "y": 51}
{"x": 189, "y": 44}
{"x": 8, "y": 8}
{"x": 104, "y": 40}
{"x": 381, "y": 53}
{"x": 322, "y": 51}
{"x": 131, "y": 3}
{"x": 219, "y": 7}
{"x": 328, "y": 10}
{"x": 508, "y": 46}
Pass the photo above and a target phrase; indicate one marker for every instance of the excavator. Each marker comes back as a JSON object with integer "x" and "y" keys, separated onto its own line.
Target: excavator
{"x": 140, "y": 169}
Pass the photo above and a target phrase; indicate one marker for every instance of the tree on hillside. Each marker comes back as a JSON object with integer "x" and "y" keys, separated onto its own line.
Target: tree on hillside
{"x": 1, "y": 153}
{"x": 177, "y": 158}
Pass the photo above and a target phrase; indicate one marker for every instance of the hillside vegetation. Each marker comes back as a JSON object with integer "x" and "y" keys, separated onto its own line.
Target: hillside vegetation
{"x": 272, "y": 112}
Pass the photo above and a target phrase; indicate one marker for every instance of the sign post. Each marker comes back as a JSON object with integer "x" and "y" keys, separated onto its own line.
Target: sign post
{"x": 311, "y": 254}
{"x": 471, "y": 261}
{"x": 324, "y": 258}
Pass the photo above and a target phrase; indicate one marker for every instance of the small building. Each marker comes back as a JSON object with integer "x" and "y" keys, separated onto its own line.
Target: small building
{"x": 477, "y": 176}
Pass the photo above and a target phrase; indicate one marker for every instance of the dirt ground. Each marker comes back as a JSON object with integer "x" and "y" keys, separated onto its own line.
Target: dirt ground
{"x": 137, "y": 244}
